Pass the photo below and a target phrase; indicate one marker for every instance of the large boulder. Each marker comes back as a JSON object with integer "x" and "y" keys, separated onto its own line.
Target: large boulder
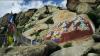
{"x": 77, "y": 50}
{"x": 69, "y": 26}
{"x": 83, "y": 8}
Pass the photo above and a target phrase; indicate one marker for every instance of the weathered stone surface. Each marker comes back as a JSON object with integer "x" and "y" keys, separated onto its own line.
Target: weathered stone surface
{"x": 62, "y": 15}
{"x": 51, "y": 47}
{"x": 76, "y": 50}
{"x": 89, "y": 1}
{"x": 62, "y": 32}
{"x": 26, "y": 51}
{"x": 41, "y": 15}
{"x": 83, "y": 8}
{"x": 38, "y": 24}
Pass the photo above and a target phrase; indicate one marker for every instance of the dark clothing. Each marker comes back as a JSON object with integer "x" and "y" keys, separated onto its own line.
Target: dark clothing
{"x": 4, "y": 40}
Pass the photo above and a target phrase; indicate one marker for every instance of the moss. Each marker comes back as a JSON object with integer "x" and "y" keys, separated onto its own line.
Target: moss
{"x": 37, "y": 33}
{"x": 67, "y": 45}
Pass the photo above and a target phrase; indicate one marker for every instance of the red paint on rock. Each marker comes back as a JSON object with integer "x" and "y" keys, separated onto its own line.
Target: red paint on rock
{"x": 76, "y": 34}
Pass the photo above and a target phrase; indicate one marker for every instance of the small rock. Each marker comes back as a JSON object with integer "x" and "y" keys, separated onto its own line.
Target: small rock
{"x": 83, "y": 8}
{"x": 88, "y": 1}
{"x": 96, "y": 46}
{"x": 92, "y": 54}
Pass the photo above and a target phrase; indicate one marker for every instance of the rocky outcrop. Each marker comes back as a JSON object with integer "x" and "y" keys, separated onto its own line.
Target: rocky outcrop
{"x": 82, "y": 6}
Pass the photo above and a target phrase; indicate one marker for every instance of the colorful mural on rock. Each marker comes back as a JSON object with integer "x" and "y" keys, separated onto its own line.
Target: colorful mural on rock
{"x": 74, "y": 28}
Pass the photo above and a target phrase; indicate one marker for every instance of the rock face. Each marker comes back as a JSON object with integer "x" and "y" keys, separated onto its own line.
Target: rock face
{"x": 77, "y": 50}
{"x": 39, "y": 23}
{"x": 69, "y": 27}
{"x": 58, "y": 26}
{"x": 62, "y": 15}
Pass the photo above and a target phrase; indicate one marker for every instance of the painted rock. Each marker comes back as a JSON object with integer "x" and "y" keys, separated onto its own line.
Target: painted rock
{"x": 68, "y": 27}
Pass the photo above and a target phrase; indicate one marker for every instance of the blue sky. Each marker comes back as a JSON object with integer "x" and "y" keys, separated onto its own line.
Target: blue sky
{"x": 6, "y": 6}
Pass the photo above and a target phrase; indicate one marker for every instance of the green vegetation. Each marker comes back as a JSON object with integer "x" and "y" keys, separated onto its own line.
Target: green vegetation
{"x": 50, "y": 21}
{"x": 67, "y": 45}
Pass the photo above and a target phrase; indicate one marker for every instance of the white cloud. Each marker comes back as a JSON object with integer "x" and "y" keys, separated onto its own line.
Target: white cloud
{"x": 50, "y": 3}
{"x": 63, "y": 4}
{"x": 33, "y": 4}
{"x": 6, "y": 6}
